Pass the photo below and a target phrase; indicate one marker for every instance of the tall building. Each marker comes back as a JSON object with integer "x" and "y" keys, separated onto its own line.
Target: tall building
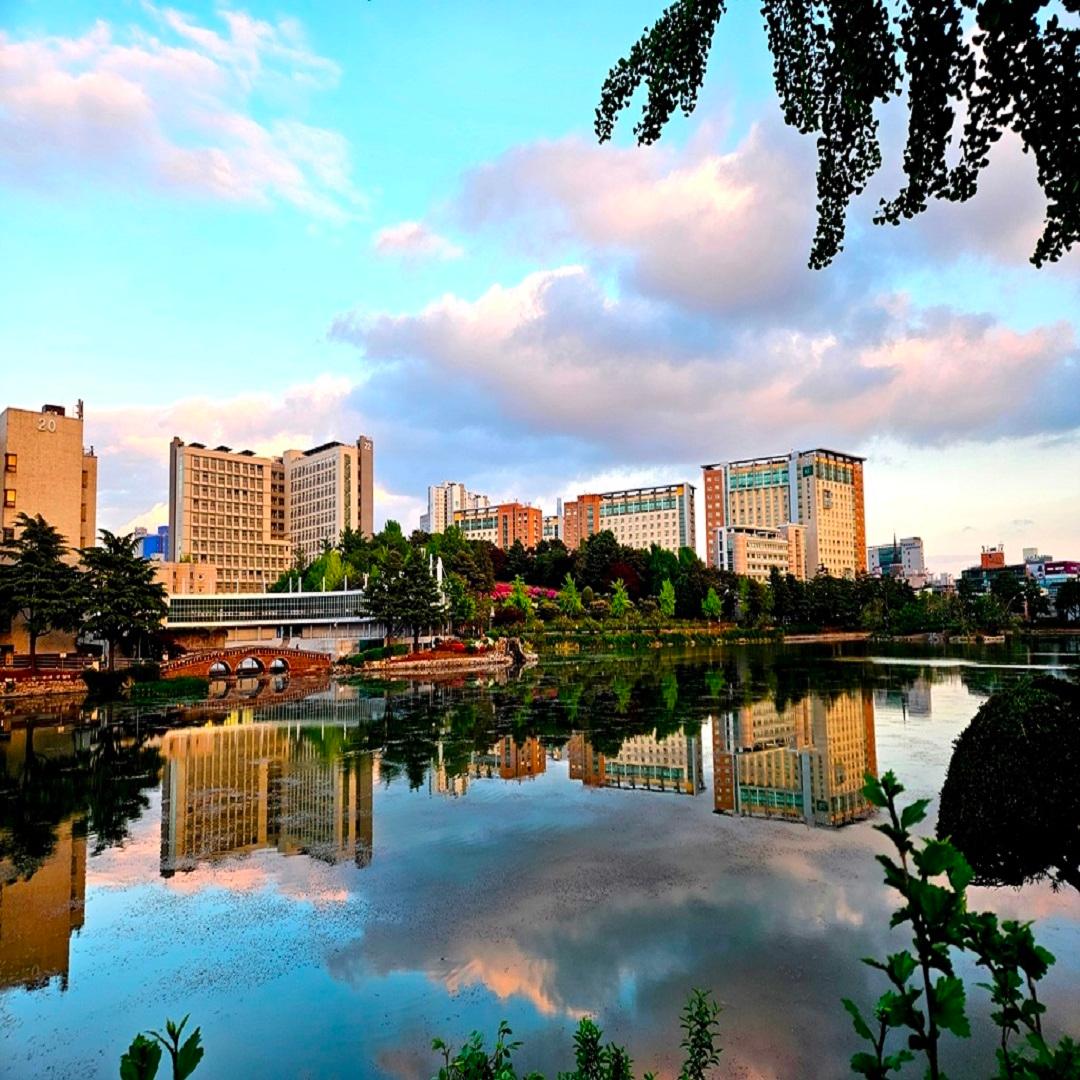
{"x": 247, "y": 515}
{"x": 822, "y": 490}
{"x": 47, "y": 470}
{"x": 638, "y": 517}
{"x": 672, "y": 763}
{"x": 328, "y": 489}
{"x": 901, "y": 558}
{"x": 552, "y": 527}
{"x": 444, "y": 501}
{"x": 502, "y": 525}
{"x": 804, "y": 762}
{"x": 153, "y": 545}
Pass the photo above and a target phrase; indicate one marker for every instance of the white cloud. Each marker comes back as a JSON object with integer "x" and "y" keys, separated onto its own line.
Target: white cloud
{"x": 414, "y": 240}
{"x": 174, "y": 113}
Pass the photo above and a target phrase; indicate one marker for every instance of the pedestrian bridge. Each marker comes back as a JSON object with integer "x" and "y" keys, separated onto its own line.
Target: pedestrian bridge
{"x": 243, "y": 661}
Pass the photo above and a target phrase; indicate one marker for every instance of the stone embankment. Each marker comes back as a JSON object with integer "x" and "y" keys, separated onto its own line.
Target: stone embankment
{"x": 505, "y": 653}
{"x": 20, "y": 683}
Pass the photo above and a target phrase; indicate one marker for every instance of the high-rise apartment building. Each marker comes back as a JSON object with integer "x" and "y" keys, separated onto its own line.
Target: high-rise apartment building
{"x": 638, "y": 517}
{"x": 552, "y": 527}
{"x": 48, "y": 471}
{"x": 502, "y": 525}
{"x": 822, "y": 490}
{"x": 754, "y": 553}
{"x": 327, "y": 490}
{"x": 444, "y": 501}
{"x": 248, "y": 515}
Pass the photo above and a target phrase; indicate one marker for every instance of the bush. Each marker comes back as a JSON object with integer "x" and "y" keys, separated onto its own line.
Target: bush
{"x": 106, "y": 684}
{"x": 186, "y": 686}
{"x": 599, "y": 610}
{"x": 148, "y": 671}
{"x": 548, "y": 610}
{"x": 508, "y": 616}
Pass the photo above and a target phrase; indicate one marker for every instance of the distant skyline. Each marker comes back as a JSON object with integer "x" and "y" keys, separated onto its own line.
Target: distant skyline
{"x": 277, "y": 225}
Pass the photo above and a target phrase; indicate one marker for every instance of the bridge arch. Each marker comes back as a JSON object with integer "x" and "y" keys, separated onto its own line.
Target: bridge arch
{"x": 278, "y": 666}
{"x": 219, "y": 669}
{"x": 249, "y": 665}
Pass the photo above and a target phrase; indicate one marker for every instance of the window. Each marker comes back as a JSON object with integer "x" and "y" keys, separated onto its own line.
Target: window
{"x": 9, "y": 535}
{"x": 9, "y": 496}
{"x": 10, "y": 462}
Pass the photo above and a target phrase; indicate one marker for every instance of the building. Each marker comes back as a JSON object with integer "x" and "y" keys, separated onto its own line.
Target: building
{"x": 638, "y": 517}
{"x": 900, "y": 559}
{"x": 328, "y": 489}
{"x": 502, "y": 525}
{"x": 248, "y": 515}
{"x": 444, "y": 501}
{"x": 153, "y": 545}
{"x": 754, "y": 553}
{"x": 671, "y": 764}
{"x": 47, "y": 471}
{"x": 552, "y": 527}
{"x": 232, "y": 790}
{"x": 185, "y": 578}
{"x": 804, "y": 762}
{"x": 822, "y": 490}
{"x": 992, "y": 558}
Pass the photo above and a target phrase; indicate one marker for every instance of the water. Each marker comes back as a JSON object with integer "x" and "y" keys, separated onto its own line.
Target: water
{"x": 327, "y": 882}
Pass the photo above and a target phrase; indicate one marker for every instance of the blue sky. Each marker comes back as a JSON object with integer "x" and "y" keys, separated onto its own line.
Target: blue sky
{"x": 274, "y": 225}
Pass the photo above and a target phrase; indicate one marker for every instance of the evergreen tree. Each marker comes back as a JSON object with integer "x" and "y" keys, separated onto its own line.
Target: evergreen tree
{"x": 403, "y": 595}
{"x": 569, "y": 599}
{"x": 667, "y": 599}
{"x": 711, "y": 607}
{"x": 620, "y": 599}
{"x": 122, "y": 598}
{"x": 36, "y": 583}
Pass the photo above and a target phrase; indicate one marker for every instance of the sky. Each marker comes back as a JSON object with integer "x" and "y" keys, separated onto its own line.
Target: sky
{"x": 273, "y": 225}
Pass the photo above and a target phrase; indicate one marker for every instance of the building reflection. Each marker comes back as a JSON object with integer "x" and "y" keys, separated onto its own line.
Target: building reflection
{"x": 912, "y": 698}
{"x": 229, "y": 791}
{"x": 39, "y": 913}
{"x": 507, "y": 759}
{"x": 804, "y": 762}
{"x": 671, "y": 763}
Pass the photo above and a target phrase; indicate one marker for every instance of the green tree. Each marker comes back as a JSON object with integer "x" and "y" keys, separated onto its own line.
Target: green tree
{"x": 123, "y": 599}
{"x": 403, "y": 595}
{"x": 835, "y": 63}
{"x": 37, "y": 584}
{"x": 1067, "y": 600}
{"x": 711, "y": 607}
{"x": 519, "y": 598}
{"x": 620, "y": 599}
{"x": 569, "y": 599}
{"x": 666, "y": 600}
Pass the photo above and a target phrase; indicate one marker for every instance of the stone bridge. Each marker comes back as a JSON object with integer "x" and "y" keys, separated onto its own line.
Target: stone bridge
{"x": 245, "y": 661}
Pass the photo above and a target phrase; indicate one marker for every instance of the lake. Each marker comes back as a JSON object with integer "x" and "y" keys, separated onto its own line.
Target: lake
{"x": 326, "y": 881}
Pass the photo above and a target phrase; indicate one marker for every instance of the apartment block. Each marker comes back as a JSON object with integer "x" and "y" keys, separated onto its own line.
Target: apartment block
{"x": 48, "y": 471}
{"x": 444, "y": 501}
{"x": 247, "y": 515}
{"x": 552, "y": 527}
{"x": 901, "y": 558}
{"x": 502, "y": 525}
{"x": 673, "y": 763}
{"x": 327, "y": 490}
{"x": 754, "y": 553}
{"x": 821, "y": 490}
{"x": 638, "y": 517}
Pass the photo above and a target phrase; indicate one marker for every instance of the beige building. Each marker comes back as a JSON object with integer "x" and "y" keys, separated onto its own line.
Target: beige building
{"x": 502, "y": 525}
{"x": 444, "y": 501}
{"x": 755, "y": 552}
{"x": 328, "y": 489}
{"x": 672, "y": 763}
{"x": 185, "y": 578}
{"x": 638, "y": 517}
{"x": 247, "y": 515}
{"x": 821, "y": 490}
{"x": 46, "y": 470}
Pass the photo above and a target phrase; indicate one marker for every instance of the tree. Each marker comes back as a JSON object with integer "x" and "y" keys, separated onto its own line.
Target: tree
{"x": 519, "y": 598}
{"x": 36, "y": 583}
{"x": 1067, "y": 600}
{"x": 666, "y": 599}
{"x": 123, "y": 599}
{"x": 834, "y": 63}
{"x": 569, "y": 599}
{"x": 711, "y": 607}
{"x": 403, "y": 595}
{"x": 620, "y": 599}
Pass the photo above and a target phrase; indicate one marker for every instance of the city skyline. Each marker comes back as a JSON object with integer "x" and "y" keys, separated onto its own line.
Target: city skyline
{"x": 229, "y": 205}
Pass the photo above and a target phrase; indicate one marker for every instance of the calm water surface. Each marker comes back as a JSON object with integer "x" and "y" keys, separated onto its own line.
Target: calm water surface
{"x": 326, "y": 882}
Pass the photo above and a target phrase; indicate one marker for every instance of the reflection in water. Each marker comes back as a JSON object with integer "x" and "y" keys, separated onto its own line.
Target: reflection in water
{"x": 671, "y": 763}
{"x": 38, "y": 914}
{"x": 232, "y": 790}
{"x": 912, "y": 698}
{"x": 803, "y": 762}
{"x": 507, "y": 759}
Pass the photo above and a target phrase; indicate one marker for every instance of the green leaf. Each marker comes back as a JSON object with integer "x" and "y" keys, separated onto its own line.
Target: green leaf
{"x": 948, "y": 1006}
{"x": 872, "y": 791}
{"x": 141, "y": 1060}
{"x": 864, "y": 1064}
{"x": 862, "y": 1029}
{"x": 914, "y": 813}
{"x": 901, "y": 966}
{"x": 188, "y": 1056}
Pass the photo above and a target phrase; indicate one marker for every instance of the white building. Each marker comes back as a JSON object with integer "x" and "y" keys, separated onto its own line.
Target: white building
{"x": 444, "y": 500}
{"x": 901, "y": 558}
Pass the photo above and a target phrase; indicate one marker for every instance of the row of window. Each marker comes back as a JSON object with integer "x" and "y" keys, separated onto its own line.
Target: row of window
{"x": 758, "y": 478}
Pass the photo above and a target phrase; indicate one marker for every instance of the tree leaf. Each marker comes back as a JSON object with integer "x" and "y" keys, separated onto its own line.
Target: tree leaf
{"x": 948, "y": 1006}
{"x": 861, "y": 1027}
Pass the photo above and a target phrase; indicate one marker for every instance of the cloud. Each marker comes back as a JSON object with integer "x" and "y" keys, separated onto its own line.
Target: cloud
{"x": 174, "y": 113}
{"x": 414, "y": 240}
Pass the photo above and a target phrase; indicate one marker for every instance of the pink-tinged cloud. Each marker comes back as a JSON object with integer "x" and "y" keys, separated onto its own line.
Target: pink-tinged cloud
{"x": 172, "y": 114}
{"x": 413, "y": 240}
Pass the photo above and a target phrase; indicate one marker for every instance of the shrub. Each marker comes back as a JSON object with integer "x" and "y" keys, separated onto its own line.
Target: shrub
{"x": 599, "y": 610}
{"x": 148, "y": 671}
{"x": 106, "y": 684}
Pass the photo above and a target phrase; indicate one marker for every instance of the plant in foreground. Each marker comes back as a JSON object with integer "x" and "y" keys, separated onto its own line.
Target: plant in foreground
{"x": 926, "y": 998}
{"x": 144, "y": 1055}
